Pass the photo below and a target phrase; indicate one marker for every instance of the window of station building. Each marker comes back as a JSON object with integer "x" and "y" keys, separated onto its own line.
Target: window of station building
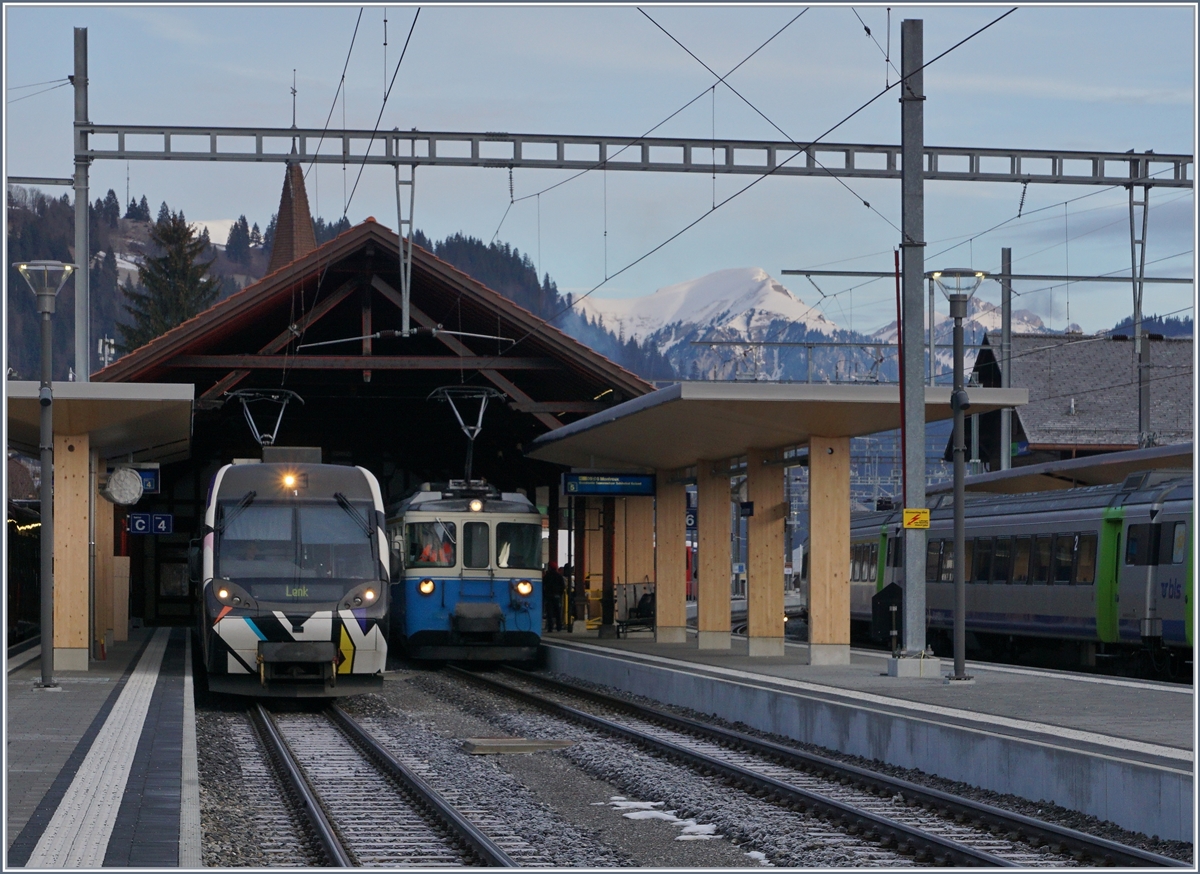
{"x": 1002, "y": 560}
{"x": 1141, "y": 545}
{"x": 1085, "y": 559}
{"x": 1040, "y": 556}
{"x": 475, "y": 545}
{"x": 1020, "y": 560}
{"x": 983, "y": 560}
{"x": 933, "y": 560}
{"x": 1064, "y": 558}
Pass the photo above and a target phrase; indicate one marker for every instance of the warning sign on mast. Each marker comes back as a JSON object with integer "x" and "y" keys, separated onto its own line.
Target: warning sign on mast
{"x": 916, "y": 518}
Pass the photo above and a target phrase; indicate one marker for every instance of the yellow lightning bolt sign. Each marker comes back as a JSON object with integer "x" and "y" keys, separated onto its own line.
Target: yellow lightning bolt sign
{"x": 916, "y": 518}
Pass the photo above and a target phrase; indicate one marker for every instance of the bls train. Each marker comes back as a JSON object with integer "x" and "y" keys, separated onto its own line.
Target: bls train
{"x": 293, "y": 581}
{"x": 1107, "y": 566}
{"x": 470, "y": 586}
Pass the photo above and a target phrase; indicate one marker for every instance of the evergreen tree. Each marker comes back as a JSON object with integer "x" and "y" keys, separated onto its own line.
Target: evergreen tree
{"x": 112, "y": 208}
{"x": 172, "y": 287}
{"x": 164, "y": 213}
{"x": 144, "y": 210}
{"x": 237, "y": 245}
{"x": 256, "y": 239}
{"x": 131, "y": 212}
{"x": 268, "y": 239}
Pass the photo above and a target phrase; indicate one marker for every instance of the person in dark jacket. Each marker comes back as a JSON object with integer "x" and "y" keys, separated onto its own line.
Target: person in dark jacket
{"x": 552, "y": 595}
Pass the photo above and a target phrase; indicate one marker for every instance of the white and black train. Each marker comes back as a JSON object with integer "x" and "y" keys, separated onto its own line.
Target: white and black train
{"x": 1106, "y": 567}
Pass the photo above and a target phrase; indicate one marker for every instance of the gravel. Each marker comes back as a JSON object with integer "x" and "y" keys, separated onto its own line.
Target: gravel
{"x": 1041, "y": 809}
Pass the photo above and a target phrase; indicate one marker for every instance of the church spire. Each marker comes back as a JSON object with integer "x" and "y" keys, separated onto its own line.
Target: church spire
{"x": 294, "y": 237}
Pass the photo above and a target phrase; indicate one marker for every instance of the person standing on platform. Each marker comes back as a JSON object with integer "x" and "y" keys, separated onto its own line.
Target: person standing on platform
{"x": 552, "y": 594}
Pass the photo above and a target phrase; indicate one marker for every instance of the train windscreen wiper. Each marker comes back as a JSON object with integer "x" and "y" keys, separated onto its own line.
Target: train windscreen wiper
{"x": 227, "y": 518}
{"x": 345, "y": 504}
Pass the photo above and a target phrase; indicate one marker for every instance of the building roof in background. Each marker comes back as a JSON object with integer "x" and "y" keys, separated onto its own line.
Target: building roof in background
{"x": 1083, "y": 391}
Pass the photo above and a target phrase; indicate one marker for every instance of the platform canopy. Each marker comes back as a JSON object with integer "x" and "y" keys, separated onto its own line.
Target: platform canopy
{"x": 142, "y": 421}
{"x": 675, "y": 426}
{"x": 1094, "y": 470}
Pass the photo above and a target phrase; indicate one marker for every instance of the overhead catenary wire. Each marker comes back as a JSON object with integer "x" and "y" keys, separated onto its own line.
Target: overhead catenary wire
{"x": 340, "y": 88}
{"x": 36, "y": 84}
{"x": 43, "y": 91}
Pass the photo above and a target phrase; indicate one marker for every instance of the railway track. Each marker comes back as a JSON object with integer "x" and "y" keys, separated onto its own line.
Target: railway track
{"x": 361, "y": 804}
{"x": 926, "y": 824}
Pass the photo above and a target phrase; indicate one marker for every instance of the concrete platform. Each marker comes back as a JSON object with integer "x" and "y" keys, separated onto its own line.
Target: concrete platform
{"x": 103, "y": 772}
{"x": 1118, "y": 749}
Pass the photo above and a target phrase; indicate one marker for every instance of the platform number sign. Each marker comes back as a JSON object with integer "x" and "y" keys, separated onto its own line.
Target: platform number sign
{"x": 916, "y": 518}
{"x": 151, "y": 523}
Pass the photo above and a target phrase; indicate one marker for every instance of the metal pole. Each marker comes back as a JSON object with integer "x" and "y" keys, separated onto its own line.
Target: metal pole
{"x": 45, "y": 301}
{"x": 1005, "y": 355}
{"x": 82, "y": 243}
{"x": 912, "y": 146}
{"x": 958, "y": 309}
{"x": 932, "y": 341}
{"x": 608, "y": 594}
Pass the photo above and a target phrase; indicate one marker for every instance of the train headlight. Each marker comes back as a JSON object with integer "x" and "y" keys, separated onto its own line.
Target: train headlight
{"x": 369, "y": 595}
{"x": 476, "y": 505}
{"x": 289, "y": 480}
{"x": 525, "y": 588}
{"x": 425, "y": 587}
{"x": 231, "y": 594}
{"x": 223, "y": 594}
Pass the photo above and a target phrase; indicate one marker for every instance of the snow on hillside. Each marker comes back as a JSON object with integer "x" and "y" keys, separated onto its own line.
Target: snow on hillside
{"x": 744, "y": 299}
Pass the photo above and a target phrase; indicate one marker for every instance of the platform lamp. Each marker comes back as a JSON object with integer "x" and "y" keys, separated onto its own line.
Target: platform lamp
{"x": 46, "y": 279}
{"x": 965, "y": 283}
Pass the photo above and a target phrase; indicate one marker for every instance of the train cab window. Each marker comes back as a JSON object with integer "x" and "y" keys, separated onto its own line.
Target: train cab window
{"x": 475, "y": 545}
{"x": 1085, "y": 559}
{"x": 1178, "y": 546}
{"x": 933, "y": 559}
{"x": 1141, "y": 544}
{"x": 873, "y": 562}
{"x": 1040, "y": 559}
{"x": 430, "y": 544}
{"x": 1020, "y": 560}
{"x": 1002, "y": 560}
{"x": 518, "y": 545}
{"x": 983, "y": 560}
{"x": 1064, "y": 557}
{"x": 947, "y": 572}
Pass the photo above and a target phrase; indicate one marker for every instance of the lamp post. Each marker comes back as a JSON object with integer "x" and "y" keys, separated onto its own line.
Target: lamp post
{"x": 966, "y": 281}
{"x": 46, "y": 279}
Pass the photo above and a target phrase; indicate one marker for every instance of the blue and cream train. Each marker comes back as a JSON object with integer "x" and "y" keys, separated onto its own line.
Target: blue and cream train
{"x": 1107, "y": 565}
{"x": 470, "y": 582}
{"x": 293, "y": 572}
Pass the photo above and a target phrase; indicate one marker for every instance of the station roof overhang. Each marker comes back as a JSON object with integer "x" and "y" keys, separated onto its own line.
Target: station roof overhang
{"x": 675, "y": 427}
{"x": 1094, "y": 470}
{"x": 138, "y": 421}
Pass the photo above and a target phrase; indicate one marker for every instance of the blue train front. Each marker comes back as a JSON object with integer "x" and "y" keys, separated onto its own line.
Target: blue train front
{"x": 470, "y": 587}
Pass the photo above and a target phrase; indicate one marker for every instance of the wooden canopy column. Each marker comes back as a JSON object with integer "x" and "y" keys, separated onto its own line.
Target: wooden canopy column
{"x": 712, "y": 598}
{"x": 670, "y": 557}
{"x": 829, "y": 540}
{"x": 71, "y": 533}
{"x": 764, "y": 579}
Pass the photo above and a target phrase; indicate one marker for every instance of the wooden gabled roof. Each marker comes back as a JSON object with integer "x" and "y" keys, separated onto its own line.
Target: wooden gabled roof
{"x": 350, "y": 287}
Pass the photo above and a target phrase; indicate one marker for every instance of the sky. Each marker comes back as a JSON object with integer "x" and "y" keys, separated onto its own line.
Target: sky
{"x": 1068, "y": 77}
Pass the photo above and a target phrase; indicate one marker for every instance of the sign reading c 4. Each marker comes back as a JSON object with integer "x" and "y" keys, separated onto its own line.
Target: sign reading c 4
{"x": 916, "y": 518}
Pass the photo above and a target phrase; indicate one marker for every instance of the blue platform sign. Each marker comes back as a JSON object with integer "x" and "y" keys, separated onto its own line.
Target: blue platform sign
{"x": 139, "y": 523}
{"x": 149, "y": 481}
{"x": 621, "y": 485}
{"x": 162, "y": 523}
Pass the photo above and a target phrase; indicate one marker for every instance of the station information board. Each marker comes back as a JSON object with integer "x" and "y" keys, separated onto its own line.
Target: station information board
{"x": 608, "y": 484}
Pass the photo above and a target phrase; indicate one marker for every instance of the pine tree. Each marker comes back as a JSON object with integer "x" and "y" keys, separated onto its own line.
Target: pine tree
{"x": 144, "y": 209}
{"x": 172, "y": 287}
{"x": 268, "y": 239}
{"x": 164, "y": 213}
{"x": 237, "y": 245}
{"x": 256, "y": 239}
{"x": 111, "y": 209}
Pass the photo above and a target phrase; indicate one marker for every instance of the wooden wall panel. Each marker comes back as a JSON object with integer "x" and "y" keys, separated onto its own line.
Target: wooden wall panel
{"x": 639, "y": 540}
{"x": 829, "y": 536}
{"x": 670, "y": 571}
{"x": 766, "y": 535}
{"x": 71, "y": 542}
{"x": 712, "y": 483}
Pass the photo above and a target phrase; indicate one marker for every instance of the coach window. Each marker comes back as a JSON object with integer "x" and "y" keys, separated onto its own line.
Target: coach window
{"x": 968, "y": 559}
{"x": 873, "y": 562}
{"x": 1085, "y": 559}
{"x": 475, "y": 545}
{"x": 518, "y": 545}
{"x": 947, "y": 572}
{"x": 1173, "y": 548}
{"x": 983, "y": 559}
{"x": 1020, "y": 564}
{"x": 856, "y": 562}
{"x": 1002, "y": 560}
{"x": 933, "y": 557}
{"x": 1040, "y": 559}
{"x": 1064, "y": 558}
